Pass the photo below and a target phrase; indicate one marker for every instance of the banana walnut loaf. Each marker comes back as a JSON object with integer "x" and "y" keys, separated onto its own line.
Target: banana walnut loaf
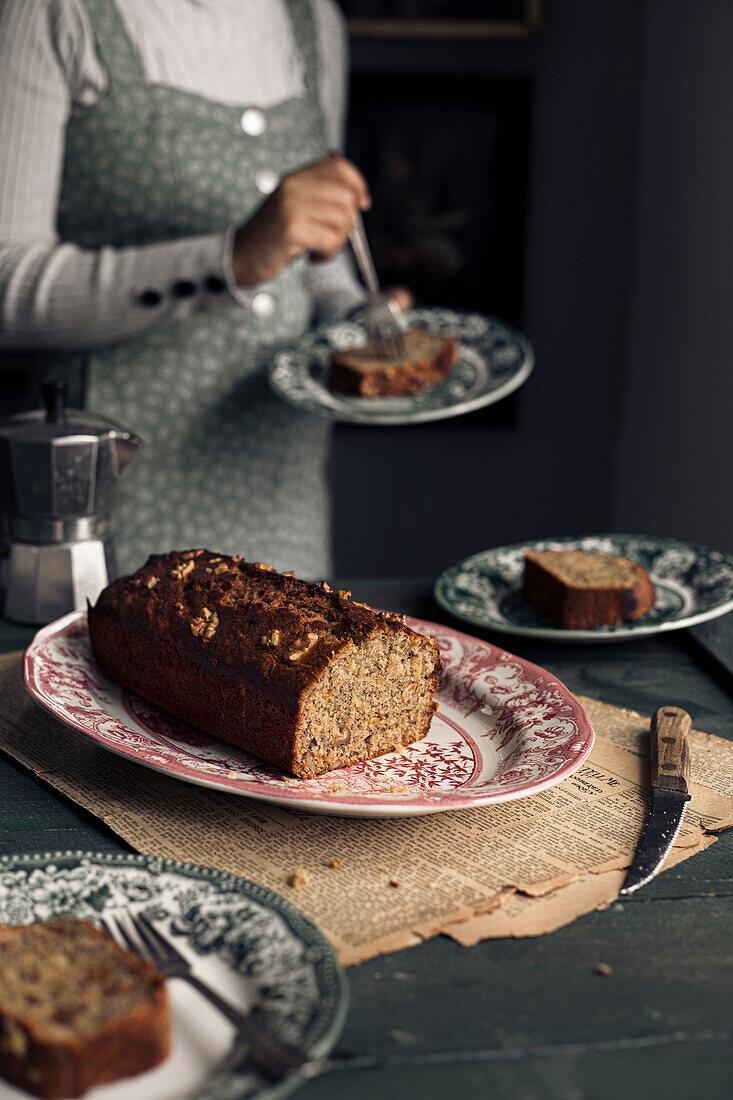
{"x": 76, "y": 1010}
{"x": 582, "y": 589}
{"x": 293, "y": 672}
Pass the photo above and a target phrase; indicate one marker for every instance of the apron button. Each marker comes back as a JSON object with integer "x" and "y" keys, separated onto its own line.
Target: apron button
{"x": 266, "y": 181}
{"x": 253, "y": 122}
{"x": 263, "y": 304}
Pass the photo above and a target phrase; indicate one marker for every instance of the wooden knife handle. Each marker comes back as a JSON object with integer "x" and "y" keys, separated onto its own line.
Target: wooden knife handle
{"x": 670, "y": 754}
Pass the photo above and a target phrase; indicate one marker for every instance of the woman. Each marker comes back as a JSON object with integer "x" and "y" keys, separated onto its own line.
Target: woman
{"x": 159, "y": 235}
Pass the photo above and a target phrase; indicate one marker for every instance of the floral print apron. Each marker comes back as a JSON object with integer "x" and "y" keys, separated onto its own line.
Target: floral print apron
{"x": 225, "y": 464}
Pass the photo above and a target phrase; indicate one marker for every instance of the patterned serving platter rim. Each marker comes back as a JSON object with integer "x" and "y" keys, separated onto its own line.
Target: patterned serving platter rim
{"x": 692, "y": 584}
{"x": 494, "y": 360}
{"x": 281, "y": 955}
{"x": 504, "y": 729}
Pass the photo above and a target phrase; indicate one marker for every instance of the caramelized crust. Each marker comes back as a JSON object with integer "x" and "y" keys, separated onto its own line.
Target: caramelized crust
{"x": 290, "y": 671}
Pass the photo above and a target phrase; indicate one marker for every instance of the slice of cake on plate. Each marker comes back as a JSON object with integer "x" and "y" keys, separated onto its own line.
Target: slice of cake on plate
{"x": 76, "y": 1010}
{"x": 581, "y": 589}
{"x": 376, "y": 370}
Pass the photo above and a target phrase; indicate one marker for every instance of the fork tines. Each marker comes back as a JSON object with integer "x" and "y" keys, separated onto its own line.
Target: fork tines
{"x": 380, "y": 320}
{"x": 146, "y": 941}
{"x": 384, "y": 328}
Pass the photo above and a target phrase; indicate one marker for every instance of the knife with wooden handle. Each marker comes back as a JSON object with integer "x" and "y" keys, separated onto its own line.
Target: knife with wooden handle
{"x": 669, "y": 765}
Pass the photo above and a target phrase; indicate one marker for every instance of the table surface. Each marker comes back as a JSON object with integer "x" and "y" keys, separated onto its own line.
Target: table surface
{"x": 528, "y": 1018}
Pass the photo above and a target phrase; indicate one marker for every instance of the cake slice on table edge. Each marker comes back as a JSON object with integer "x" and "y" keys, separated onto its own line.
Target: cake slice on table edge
{"x": 374, "y": 370}
{"x": 76, "y": 1010}
{"x": 293, "y": 672}
{"x": 581, "y": 589}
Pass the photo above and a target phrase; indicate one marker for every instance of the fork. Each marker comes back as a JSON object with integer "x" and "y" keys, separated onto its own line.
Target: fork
{"x": 381, "y": 321}
{"x": 273, "y": 1057}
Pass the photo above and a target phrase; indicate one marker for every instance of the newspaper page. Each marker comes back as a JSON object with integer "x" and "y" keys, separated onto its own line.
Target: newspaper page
{"x": 374, "y": 885}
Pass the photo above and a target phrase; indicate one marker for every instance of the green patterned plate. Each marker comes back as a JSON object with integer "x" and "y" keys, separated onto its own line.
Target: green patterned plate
{"x": 493, "y": 360}
{"x": 254, "y": 947}
{"x": 692, "y": 584}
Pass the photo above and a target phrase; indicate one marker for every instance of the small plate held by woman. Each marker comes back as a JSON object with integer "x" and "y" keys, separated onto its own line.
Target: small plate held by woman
{"x": 493, "y": 360}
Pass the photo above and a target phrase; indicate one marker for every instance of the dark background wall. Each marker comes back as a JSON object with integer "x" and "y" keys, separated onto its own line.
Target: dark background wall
{"x": 677, "y": 474}
{"x": 628, "y": 265}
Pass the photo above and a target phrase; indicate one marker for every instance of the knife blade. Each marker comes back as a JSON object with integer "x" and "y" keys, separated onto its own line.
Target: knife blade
{"x": 669, "y": 764}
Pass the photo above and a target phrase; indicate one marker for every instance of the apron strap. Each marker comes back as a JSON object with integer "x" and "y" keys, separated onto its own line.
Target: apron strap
{"x": 116, "y": 51}
{"x": 304, "y": 33}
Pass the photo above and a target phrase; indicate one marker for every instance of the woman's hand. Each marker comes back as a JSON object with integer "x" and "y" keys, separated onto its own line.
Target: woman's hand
{"x": 311, "y": 211}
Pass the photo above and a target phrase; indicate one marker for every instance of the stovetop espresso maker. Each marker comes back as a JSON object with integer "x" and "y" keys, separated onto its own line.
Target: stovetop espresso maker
{"x": 58, "y": 469}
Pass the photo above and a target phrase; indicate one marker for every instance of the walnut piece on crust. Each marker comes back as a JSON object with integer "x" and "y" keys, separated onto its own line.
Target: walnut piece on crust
{"x": 180, "y": 572}
{"x": 205, "y": 626}
{"x": 302, "y": 646}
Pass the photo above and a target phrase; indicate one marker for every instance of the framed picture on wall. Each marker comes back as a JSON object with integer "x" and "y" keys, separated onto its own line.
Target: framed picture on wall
{"x": 443, "y": 18}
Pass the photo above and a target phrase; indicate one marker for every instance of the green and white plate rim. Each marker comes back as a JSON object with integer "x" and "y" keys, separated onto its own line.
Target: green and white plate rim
{"x": 254, "y": 946}
{"x": 494, "y": 359}
{"x": 692, "y": 584}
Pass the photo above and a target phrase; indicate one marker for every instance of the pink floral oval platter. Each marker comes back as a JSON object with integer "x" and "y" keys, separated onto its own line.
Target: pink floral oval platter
{"x": 504, "y": 729}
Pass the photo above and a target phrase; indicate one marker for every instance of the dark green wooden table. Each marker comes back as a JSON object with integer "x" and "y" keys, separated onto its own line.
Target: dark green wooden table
{"x": 530, "y": 1019}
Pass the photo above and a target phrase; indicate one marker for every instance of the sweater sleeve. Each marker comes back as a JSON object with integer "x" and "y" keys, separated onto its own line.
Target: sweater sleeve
{"x": 53, "y": 293}
{"x": 334, "y": 284}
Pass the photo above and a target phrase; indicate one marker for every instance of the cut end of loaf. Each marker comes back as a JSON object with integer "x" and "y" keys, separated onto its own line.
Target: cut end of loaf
{"x": 374, "y": 698}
